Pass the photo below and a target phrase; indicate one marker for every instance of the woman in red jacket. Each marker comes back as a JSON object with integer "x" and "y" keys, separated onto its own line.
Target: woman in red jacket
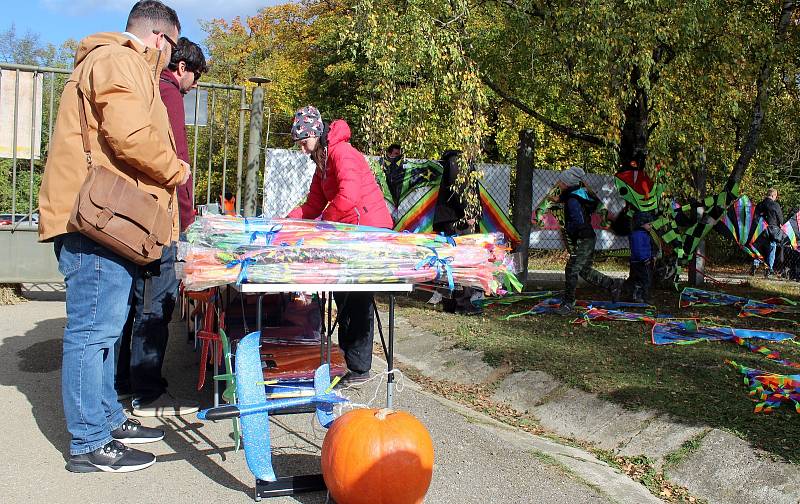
{"x": 343, "y": 189}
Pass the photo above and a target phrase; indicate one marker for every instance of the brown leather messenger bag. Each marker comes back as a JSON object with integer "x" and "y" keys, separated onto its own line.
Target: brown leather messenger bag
{"x": 117, "y": 214}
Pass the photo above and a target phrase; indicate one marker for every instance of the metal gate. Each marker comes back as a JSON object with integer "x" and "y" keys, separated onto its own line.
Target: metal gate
{"x": 29, "y": 99}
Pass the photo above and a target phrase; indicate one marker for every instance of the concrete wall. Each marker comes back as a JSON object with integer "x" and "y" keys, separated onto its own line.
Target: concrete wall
{"x": 24, "y": 259}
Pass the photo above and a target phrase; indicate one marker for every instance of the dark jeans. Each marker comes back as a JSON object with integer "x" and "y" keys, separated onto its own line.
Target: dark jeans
{"x": 356, "y": 328}
{"x": 144, "y": 339}
{"x": 640, "y": 278}
{"x": 460, "y": 301}
{"x": 581, "y": 255}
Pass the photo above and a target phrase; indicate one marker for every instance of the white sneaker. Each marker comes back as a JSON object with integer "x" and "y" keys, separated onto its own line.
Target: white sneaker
{"x": 166, "y": 405}
{"x": 435, "y": 299}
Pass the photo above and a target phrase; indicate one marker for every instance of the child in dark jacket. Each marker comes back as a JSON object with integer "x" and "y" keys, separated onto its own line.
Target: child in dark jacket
{"x": 641, "y": 262}
{"x": 579, "y": 205}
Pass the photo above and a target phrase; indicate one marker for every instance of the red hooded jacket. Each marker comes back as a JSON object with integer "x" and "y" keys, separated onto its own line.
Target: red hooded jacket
{"x": 346, "y": 190}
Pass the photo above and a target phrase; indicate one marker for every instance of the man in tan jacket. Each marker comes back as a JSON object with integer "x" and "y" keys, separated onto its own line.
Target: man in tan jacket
{"x": 117, "y": 76}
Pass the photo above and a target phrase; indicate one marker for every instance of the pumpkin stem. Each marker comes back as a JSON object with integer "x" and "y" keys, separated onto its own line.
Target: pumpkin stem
{"x": 383, "y": 413}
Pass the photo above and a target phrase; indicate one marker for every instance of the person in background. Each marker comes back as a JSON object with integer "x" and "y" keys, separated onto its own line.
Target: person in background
{"x": 452, "y": 217}
{"x": 771, "y": 212}
{"x": 128, "y": 133}
{"x": 579, "y": 205}
{"x": 392, "y": 164}
{"x": 343, "y": 189}
{"x": 641, "y": 261}
{"x": 227, "y": 203}
{"x": 155, "y": 291}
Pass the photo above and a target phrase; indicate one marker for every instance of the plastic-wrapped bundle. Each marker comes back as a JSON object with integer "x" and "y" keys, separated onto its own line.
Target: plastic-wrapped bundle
{"x": 222, "y": 250}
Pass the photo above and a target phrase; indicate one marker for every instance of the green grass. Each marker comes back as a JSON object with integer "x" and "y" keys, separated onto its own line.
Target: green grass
{"x": 553, "y": 260}
{"x": 687, "y": 448}
{"x": 692, "y": 383}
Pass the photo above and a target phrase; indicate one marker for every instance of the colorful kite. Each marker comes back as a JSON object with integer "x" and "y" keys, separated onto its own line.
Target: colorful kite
{"x": 686, "y": 332}
{"x": 744, "y": 225}
{"x": 770, "y": 390}
{"x": 792, "y": 230}
{"x": 640, "y": 191}
{"x": 683, "y": 229}
{"x": 768, "y": 310}
{"x": 699, "y": 297}
{"x": 600, "y": 315}
{"x": 418, "y": 218}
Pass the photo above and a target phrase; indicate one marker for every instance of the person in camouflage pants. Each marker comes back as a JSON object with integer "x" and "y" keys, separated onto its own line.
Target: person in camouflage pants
{"x": 580, "y": 238}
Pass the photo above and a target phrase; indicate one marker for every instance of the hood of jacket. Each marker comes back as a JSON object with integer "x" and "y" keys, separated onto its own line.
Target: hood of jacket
{"x": 93, "y": 42}
{"x": 339, "y": 132}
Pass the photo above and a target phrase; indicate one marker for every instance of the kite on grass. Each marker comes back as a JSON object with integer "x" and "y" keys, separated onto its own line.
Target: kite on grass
{"x": 698, "y": 297}
{"x": 770, "y": 390}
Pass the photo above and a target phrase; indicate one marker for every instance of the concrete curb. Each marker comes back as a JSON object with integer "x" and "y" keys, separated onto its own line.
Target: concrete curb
{"x": 723, "y": 469}
{"x": 617, "y": 487}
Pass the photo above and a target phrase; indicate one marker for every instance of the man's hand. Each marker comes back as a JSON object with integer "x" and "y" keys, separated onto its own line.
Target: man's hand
{"x": 188, "y": 172}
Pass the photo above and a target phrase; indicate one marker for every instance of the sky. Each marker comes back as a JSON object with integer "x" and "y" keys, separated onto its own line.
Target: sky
{"x": 59, "y": 20}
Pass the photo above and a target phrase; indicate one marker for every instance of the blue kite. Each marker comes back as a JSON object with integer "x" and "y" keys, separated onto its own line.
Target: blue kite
{"x": 253, "y": 407}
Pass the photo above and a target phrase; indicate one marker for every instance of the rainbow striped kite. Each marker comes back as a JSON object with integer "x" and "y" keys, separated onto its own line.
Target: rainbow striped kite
{"x": 744, "y": 225}
{"x": 792, "y": 229}
{"x": 419, "y": 217}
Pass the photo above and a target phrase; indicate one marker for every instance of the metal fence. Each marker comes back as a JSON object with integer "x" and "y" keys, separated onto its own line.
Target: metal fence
{"x": 29, "y": 100}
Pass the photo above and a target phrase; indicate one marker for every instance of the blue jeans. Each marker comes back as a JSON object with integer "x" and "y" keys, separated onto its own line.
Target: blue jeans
{"x": 144, "y": 339}
{"x": 98, "y": 298}
{"x": 773, "y": 247}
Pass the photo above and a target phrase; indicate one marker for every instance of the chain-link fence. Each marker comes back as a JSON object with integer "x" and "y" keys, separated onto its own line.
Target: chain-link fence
{"x": 287, "y": 176}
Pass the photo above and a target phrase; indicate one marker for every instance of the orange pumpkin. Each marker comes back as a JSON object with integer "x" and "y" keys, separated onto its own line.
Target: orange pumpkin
{"x": 372, "y": 456}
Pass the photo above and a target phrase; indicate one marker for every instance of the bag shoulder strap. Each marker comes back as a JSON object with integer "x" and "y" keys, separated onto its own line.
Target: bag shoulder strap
{"x": 87, "y": 147}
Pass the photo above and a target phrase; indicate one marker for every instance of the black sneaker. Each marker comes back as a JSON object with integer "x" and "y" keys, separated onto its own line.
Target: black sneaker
{"x": 353, "y": 379}
{"x": 133, "y": 432}
{"x": 113, "y": 457}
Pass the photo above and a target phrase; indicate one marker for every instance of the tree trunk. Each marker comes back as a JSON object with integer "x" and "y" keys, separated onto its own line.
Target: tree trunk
{"x": 523, "y": 196}
{"x": 635, "y": 132}
{"x": 700, "y": 175}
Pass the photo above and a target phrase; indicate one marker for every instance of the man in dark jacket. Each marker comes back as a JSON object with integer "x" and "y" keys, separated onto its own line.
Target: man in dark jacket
{"x": 453, "y": 216}
{"x": 771, "y": 212}
{"x": 579, "y": 205}
{"x": 144, "y": 339}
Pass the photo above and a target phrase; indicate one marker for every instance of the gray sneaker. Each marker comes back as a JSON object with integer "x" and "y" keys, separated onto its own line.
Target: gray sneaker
{"x": 166, "y": 405}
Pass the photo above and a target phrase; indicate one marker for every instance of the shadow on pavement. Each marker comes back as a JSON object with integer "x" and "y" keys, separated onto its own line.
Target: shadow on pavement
{"x": 32, "y": 364}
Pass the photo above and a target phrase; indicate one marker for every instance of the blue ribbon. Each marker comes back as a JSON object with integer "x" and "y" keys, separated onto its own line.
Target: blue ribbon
{"x": 443, "y": 238}
{"x": 434, "y": 261}
{"x": 247, "y": 261}
{"x": 269, "y": 235}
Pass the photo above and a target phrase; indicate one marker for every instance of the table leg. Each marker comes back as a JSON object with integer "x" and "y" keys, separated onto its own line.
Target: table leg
{"x": 214, "y": 352}
{"x": 258, "y": 312}
{"x": 390, "y": 356}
